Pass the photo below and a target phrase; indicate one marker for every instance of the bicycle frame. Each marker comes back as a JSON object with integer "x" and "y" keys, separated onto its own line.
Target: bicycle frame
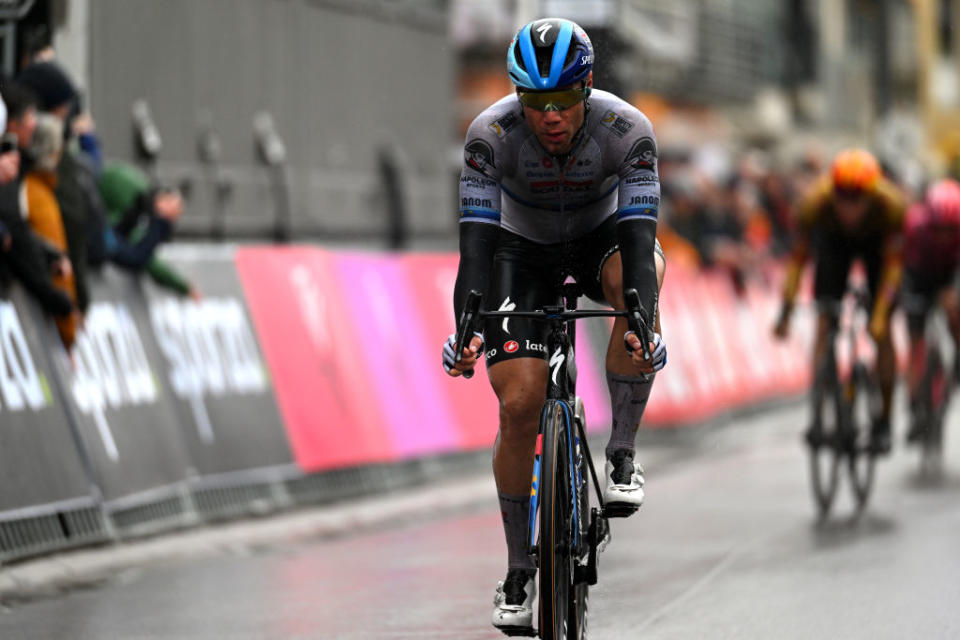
{"x": 561, "y": 387}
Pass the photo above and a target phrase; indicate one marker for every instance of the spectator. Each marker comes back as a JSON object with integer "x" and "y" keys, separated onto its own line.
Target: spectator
{"x": 43, "y": 212}
{"x": 130, "y": 251}
{"x": 24, "y": 258}
{"x": 78, "y": 191}
{"x": 36, "y": 45}
{"x": 57, "y": 96}
{"x": 130, "y": 202}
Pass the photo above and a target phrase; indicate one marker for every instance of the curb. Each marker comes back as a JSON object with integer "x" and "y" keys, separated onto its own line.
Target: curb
{"x": 54, "y": 575}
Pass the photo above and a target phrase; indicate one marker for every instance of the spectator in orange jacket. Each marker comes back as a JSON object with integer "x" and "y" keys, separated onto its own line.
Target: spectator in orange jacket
{"x": 43, "y": 212}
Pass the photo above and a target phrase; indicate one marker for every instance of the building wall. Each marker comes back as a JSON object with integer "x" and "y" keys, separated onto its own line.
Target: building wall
{"x": 342, "y": 80}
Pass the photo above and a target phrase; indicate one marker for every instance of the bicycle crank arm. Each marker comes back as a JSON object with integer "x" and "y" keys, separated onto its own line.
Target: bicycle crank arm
{"x": 618, "y": 510}
{"x": 527, "y": 632}
{"x": 598, "y": 536}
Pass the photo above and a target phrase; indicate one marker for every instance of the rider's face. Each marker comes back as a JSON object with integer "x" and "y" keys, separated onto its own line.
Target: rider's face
{"x": 851, "y": 208}
{"x": 555, "y": 129}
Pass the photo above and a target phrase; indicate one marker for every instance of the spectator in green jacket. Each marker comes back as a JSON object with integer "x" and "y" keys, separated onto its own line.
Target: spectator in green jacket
{"x": 131, "y": 203}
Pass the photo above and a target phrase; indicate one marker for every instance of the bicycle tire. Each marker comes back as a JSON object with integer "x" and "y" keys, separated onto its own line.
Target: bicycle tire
{"x": 579, "y": 594}
{"x": 556, "y": 512}
{"x": 862, "y": 411}
{"x": 935, "y": 391}
{"x": 828, "y": 413}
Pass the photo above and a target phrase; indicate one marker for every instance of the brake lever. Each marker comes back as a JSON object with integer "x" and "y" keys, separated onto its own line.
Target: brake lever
{"x": 635, "y": 320}
{"x": 465, "y": 328}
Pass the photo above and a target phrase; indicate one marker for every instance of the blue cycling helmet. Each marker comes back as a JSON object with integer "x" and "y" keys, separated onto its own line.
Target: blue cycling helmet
{"x": 549, "y": 53}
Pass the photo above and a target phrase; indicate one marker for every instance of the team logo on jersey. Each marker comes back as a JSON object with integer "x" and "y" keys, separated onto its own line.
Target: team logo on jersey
{"x": 511, "y": 347}
{"x": 619, "y": 125}
{"x": 503, "y": 126}
{"x": 639, "y": 201}
{"x": 479, "y": 155}
{"x": 643, "y": 154}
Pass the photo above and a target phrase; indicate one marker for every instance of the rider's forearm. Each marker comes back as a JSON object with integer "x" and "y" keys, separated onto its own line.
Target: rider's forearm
{"x": 791, "y": 283}
{"x": 636, "y": 238}
{"x": 890, "y": 276}
{"x": 478, "y": 242}
{"x": 889, "y": 286}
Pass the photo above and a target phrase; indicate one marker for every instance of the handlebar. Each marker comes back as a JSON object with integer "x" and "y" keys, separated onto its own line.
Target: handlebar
{"x": 471, "y": 316}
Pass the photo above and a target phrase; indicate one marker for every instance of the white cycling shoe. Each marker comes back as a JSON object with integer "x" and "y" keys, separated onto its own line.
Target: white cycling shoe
{"x": 513, "y": 602}
{"x": 624, "y": 486}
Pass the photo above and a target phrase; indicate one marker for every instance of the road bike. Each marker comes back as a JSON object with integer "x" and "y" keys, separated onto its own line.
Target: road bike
{"x": 566, "y": 534}
{"x": 846, "y": 403}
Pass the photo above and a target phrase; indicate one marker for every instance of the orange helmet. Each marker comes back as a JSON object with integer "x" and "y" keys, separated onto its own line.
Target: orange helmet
{"x": 855, "y": 170}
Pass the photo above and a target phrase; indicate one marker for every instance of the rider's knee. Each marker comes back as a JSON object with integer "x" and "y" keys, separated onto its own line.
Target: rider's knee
{"x": 520, "y": 410}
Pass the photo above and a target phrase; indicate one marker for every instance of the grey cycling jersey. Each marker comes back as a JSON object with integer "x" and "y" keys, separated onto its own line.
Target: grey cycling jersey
{"x": 509, "y": 179}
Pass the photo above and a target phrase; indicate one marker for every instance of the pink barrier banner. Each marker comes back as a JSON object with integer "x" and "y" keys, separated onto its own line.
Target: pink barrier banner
{"x": 471, "y": 404}
{"x": 396, "y": 345}
{"x": 353, "y": 343}
{"x": 322, "y": 379}
{"x": 721, "y": 350}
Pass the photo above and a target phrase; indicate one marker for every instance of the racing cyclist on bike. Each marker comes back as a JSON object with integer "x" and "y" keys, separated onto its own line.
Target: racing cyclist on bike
{"x": 931, "y": 277}
{"x": 558, "y": 180}
{"x": 852, "y": 213}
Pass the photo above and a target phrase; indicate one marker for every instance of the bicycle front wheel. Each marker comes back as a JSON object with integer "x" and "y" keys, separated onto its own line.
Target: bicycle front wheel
{"x": 579, "y": 594}
{"x": 823, "y": 436}
{"x": 556, "y": 516}
{"x": 864, "y": 408}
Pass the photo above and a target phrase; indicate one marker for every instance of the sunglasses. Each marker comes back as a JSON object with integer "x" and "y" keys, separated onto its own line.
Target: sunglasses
{"x": 553, "y": 100}
{"x": 848, "y": 193}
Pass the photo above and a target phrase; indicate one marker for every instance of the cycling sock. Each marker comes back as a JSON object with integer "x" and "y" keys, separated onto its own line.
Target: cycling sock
{"x": 628, "y": 399}
{"x": 515, "y": 511}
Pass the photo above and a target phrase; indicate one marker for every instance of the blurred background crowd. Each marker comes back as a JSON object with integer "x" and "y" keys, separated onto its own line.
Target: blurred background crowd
{"x": 341, "y": 122}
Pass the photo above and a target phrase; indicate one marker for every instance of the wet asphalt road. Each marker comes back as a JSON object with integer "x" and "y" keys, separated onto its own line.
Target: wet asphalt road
{"x": 726, "y": 547}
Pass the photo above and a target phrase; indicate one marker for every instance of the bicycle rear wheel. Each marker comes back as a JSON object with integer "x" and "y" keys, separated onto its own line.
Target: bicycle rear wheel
{"x": 863, "y": 409}
{"x": 935, "y": 391}
{"x": 823, "y": 437}
{"x": 556, "y": 518}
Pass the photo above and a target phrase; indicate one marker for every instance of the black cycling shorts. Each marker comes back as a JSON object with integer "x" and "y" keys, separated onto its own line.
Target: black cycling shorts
{"x": 919, "y": 293}
{"x": 835, "y": 254}
{"x": 528, "y": 275}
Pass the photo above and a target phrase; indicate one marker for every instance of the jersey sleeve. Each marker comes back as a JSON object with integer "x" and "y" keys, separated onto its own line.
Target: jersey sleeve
{"x": 639, "y": 192}
{"x": 811, "y": 205}
{"x": 479, "y": 211}
{"x": 638, "y": 205}
{"x": 480, "y": 176}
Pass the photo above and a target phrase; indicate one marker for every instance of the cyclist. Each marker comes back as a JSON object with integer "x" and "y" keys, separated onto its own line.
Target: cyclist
{"x": 558, "y": 180}
{"x": 931, "y": 262}
{"x": 853, "y": 212}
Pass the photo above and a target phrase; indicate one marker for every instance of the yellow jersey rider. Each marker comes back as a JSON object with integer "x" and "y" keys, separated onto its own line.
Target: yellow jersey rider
{"x": 851, "y": 213}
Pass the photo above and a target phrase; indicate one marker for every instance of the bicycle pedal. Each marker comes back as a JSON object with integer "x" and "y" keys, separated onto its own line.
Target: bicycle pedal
{"x": 619, "y": 510}
{"x": 527, "y": 632}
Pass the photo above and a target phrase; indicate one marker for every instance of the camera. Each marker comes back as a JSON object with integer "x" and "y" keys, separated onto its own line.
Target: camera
{"x": 8, "y": 142}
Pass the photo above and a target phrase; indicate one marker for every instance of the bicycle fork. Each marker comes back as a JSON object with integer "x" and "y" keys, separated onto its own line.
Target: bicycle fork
{"x": 598, "y": 531}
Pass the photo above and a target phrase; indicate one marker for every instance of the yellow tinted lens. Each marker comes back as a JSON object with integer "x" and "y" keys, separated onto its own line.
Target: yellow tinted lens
{"x": 551, "y": 100}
